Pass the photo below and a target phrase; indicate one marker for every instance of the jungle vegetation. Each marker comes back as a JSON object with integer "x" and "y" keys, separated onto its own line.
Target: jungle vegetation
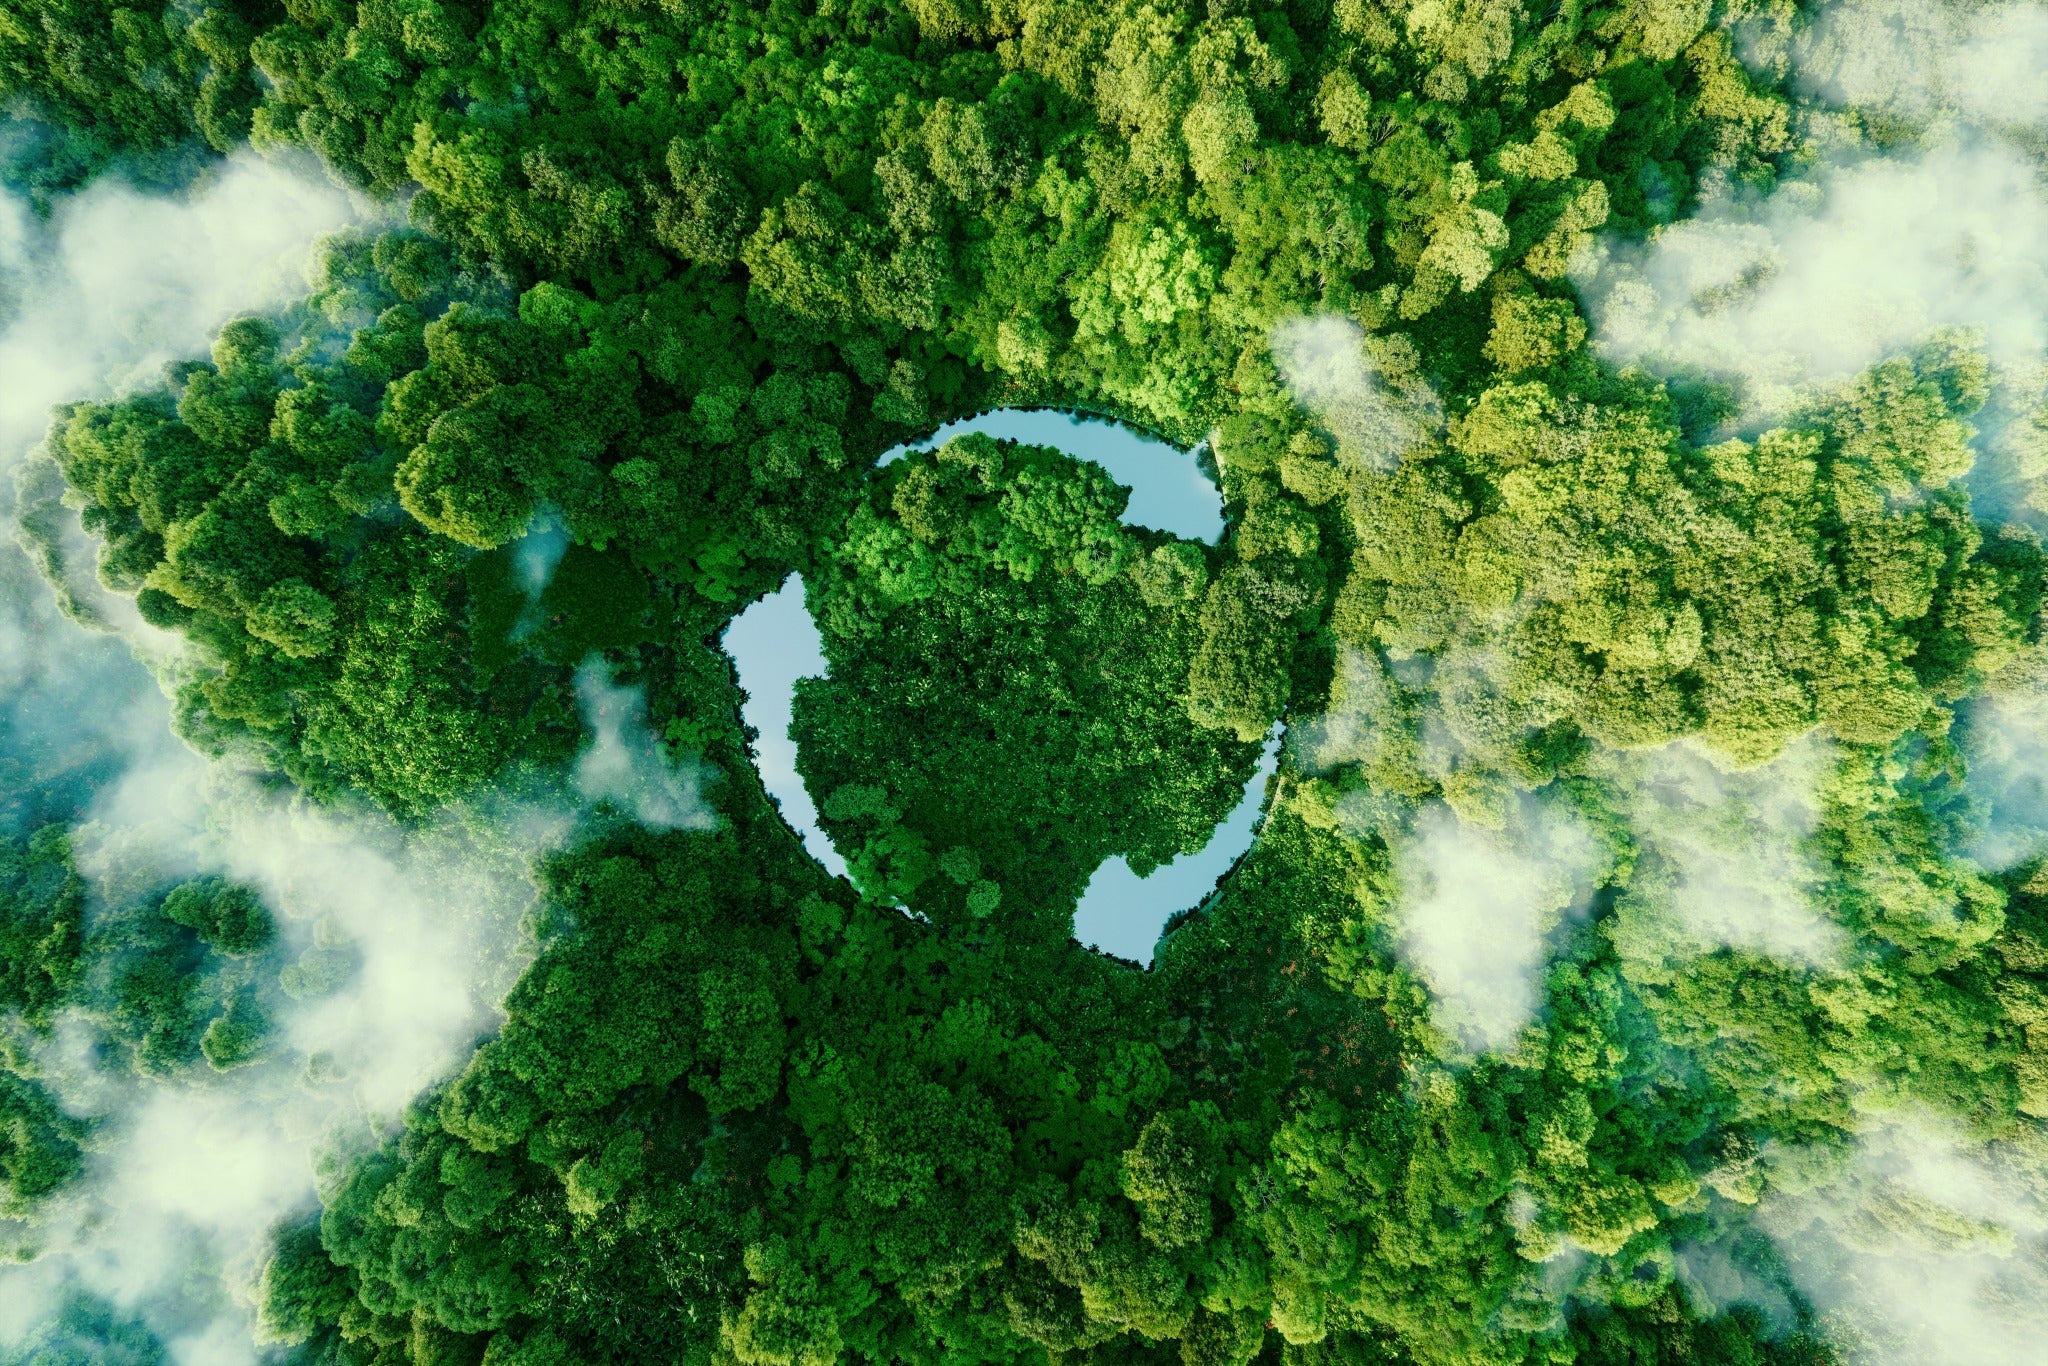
{"x": 674, "y": 274}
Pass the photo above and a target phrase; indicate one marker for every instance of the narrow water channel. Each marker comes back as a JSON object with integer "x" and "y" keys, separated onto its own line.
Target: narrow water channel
{"x": 1169, "y": 491}
{"x": 1122, "y": 913}
{"x": 774, "y": 642}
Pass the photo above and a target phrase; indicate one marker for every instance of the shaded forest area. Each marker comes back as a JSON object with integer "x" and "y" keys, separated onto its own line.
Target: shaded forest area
{"x": 674, "y": 274}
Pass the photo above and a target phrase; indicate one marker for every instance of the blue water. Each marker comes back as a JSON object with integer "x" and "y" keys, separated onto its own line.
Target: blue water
{"x": 774, "y": 642}
{"x": 1169, "y": 492}
{"x": 1122, "y": 913}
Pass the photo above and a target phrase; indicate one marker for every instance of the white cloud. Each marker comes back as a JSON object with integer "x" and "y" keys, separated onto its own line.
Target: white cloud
{"x": 1717, "y": 1280}
{"x": 1920, "y": 1245}
{"x": 1830, "y": 275}
{"x": 1330, "y": 368}
{"x": 1944, "y": 223}
{"x": 1476, "y": 909}
{"x": 187, "y": 1176}
{"x": 433, "y": 912}
{"x": 74, "y": 705}
{"x": 92, "y": 302}
{"x": 535, "y": 556}
{"x": 628, "y": 765}
{"x": 192, "y": 1172}
{"x": 1726, "y": 863}
{"x": 1360, "y": 722}
{"x": 120, "y": 282}
{"x": 1924, "y": 59}
{"x": 1995, "y": 71}
{"x": 2005, "y": 746}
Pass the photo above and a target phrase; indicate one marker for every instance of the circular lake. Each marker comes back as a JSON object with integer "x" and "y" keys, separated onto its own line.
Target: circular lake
{"x": 774, "y": 642}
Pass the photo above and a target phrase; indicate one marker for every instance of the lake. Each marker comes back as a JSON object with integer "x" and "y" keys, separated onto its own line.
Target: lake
{"x": 774, "y": 642}
{"x": 1169, "y": 492}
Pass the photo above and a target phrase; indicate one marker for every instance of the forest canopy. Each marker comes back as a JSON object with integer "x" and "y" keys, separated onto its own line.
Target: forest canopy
{"x": 1641, "y": 953}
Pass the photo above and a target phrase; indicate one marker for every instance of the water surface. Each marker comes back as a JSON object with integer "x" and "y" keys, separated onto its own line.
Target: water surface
{"x": 1122, "y": 913}
{"x": 1169, "y": 492}
{"x": 774, "y": 642}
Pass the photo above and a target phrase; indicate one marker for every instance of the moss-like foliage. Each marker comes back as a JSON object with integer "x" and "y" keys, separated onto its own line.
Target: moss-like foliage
{"x": 1006, "y": 705}
{"x": 168, "y": 975}
{"x": 87, "y": 1331}
{"x": 677, "y": 274}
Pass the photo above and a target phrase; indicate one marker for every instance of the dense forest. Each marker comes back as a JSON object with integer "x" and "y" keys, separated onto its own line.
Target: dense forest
{"x": 1640, "y": 958}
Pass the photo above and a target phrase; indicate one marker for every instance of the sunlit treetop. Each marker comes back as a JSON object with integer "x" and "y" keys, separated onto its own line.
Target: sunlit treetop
{"x": 675, "y": 275}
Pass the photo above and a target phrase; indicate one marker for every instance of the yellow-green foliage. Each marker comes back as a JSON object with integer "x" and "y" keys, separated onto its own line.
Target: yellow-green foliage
{"x": 678, "y": 273}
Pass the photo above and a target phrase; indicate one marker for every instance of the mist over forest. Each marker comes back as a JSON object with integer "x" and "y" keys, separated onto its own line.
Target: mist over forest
{"x": 1630, "y": 419}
